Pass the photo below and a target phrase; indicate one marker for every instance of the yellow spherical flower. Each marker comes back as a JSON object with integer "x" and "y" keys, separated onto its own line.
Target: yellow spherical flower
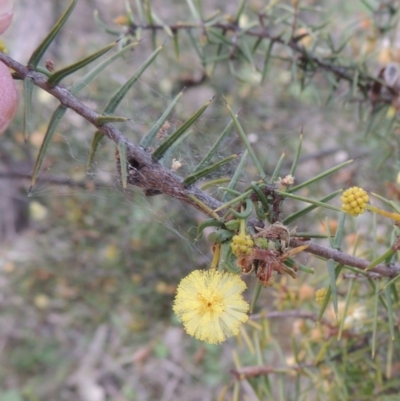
{"x": 210, "y": 305}
{"x": 242, "y": 245}
{"x": 320, "y": 295}
{"x": 354, "y": 200}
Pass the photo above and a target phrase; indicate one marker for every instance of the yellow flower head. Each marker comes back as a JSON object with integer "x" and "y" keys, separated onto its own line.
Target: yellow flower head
{"x": 210, "y": 305}
{"x": 242, "y": 245}
{"x": 354, "y": 201}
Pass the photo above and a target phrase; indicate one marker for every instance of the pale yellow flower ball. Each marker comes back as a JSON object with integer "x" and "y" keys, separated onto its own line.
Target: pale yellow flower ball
{"x": 210, "y": 305}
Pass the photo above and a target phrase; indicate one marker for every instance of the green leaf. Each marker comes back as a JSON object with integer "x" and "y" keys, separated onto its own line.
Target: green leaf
{"x": 267, "y": 59}
{"x": 224, "y": 255}
{"x": 61, "y": 110}
{"x": 116, "y": 100}
{"x": 176, "y": 44}
{"x": 375, "y": 319}
{"x": 194, "y": 43}
{"x": 38, "y": 53}
{"x": 159, "y": 21}
{"x": 246, "y": 141}
{"x": 346, "y": 308}
{"x": 207, "y": 223}
{"x": 160, "y": 151}
{"x": 390, "y": 312}
{"x": 189, "y": 180}
{"x": 390, "y": 252}
{"x": 220, "y": 236}
{"x": 150, "y": 21}
{"x": 202, "y": 206}
{"x": 261, "y": 196}
{"x": 332, "y": 279}
{"x": 337, "y": 243}
{"x": 297, "y": 156}
{"x": 150, "y": 135}
{"x": 329, "y": 292}
{"x": 123, "y": 163}
{"x": 214, "y": 148}
{"x": 214, "y": 183}
{"x": 129, "y": 13}
{"x": 86, "y": 79}
{"x": 255, "y": 296}
{"x": 278, "y": 169}
{"x": 51, "y": 128}
{"x": 237, "y": 173}
{"x": 243, "y": 214}
{"x": 313, "y": 202}
{"x": 240, "y": 10}
{"x": 193, "y": 10}
{"x": 59, "y": 75}
{"x": 98, "y": 136}
{"x": 295, "y": 216}
{"x": 319, "y": 176}
{"x": 104, "y": 26}
{"x": 28, "y": 91}
{"x": 120, "y": 94}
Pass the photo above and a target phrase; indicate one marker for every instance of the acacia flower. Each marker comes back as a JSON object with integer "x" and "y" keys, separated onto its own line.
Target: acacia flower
{"x": 210, "y": 305}
{"x": 355, "y": 201}
{"x": 242, "y": 245}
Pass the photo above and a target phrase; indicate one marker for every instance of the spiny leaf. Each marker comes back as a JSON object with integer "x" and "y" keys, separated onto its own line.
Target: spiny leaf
{"x": 193, "y": 10}
{"x": 295, "y": 216}
{"x": 38, "y": 53}
{"x": 61, "y": 110}
{"x": 278, "y": 169}
{"x": 160, "y": 151}
{"x": 104, "y": 26}
{"x": 319, "y": 176}
{"x": 28, "y": 91}
{"x": 59, "y": 75}
{"x": 150, "y": 135}
{"x": 346, "y": 308}
{"x": 123, "y": 162}
{"x": 246, "y": 141}
{"x": 116, "y": 100}
{"x": 240, "y": 10}
{"x": 206, "y": 171}
{"x": 51, "y": 128}
{"x": 98, "y": 136}
{"x": 120, "y": 94}
{"x": 237, "y": 173}
{"x": 313, "y": 202}
{"x": 332, "y": 279}
{"x": 375, "y": 319}
{"x": 214, "y": 148}
{"x": 207, "y": 223}
{"x": 266, "y": 60}
{"x": 390, "y": 311}
{"x": 297, "y": 156}
{"x": 86, "y": 79}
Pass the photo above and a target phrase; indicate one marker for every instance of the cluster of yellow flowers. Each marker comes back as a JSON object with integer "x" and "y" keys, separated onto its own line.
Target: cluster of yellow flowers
{"x": 242, "y": 245}
{"x": 354, "y": 201}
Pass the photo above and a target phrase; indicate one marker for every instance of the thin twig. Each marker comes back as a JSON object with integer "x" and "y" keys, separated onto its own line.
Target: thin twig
{"x": 345, "y": 259}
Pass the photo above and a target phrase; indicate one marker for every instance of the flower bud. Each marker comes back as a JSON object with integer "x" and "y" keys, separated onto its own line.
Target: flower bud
{"x": 6, "y": 14}
{"x": 8, "y": 97}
